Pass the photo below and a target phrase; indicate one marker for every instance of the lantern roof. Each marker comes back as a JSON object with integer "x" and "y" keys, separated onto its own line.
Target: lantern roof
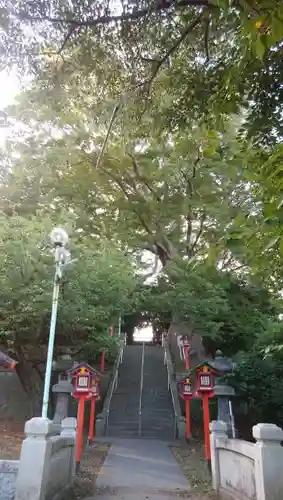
{"x": 185, "y": 380}
{"x": 205, "y": 365}
{"x": 222, "y": 364}
{"x": 82, "y": 367}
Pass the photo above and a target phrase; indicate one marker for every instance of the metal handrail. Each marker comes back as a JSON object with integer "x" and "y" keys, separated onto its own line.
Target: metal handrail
{"x": 114, "y": 384}
{"x": 141, "y": 387}
{"x": 171, "y": 391}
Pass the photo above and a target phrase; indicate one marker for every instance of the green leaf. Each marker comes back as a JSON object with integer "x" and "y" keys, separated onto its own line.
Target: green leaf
{"x": 280, "y": 11}
{"x": 272, "y": 243}
{"x": 259, "y": 47}
{"x": 277, "y": 28}
{"x": 281, "y": 246}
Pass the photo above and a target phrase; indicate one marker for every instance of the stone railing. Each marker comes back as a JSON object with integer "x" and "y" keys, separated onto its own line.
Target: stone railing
{"x": 247, "y": 471}
{"x": 102, "y": 418}
{"x": 179, "y": 426}
{"x": 47, "y": 463}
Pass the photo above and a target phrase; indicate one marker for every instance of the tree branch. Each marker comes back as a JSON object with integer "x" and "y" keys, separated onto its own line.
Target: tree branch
{"x": 128, "y": 197}
{"x": 127, "y": 16}
{"x": 66, "y": 39}
{"x": 206, "y": 38}
{"x": 189, "y": 219}
{"x": 200, "y": 231}
{"x": 141, "y": 178}
{"x": 110, "y": 126}
{"x": 172, "y": 49}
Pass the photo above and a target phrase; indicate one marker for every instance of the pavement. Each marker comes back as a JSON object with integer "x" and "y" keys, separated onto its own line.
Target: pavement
{"x": 140, "y": 470}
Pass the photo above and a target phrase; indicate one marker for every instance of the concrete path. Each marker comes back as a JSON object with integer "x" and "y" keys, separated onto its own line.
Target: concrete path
{"x": 139, "y": 470}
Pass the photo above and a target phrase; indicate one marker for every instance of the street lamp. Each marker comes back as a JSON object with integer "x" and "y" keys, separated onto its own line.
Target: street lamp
{"x": 59, "y": 239}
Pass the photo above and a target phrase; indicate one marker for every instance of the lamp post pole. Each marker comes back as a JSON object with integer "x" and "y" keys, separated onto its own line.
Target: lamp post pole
{"x": 59, "y": 239}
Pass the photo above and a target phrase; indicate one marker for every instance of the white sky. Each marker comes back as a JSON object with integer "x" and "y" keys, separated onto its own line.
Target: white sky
{"x": 143, "y": 334}
{"x": 9, "y": 85}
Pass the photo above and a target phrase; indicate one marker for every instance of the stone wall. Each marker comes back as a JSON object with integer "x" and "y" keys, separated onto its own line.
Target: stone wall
{"x": 14, "y": 403}
{"x": 8, "y": 475}
{"x": 245, "y": 471}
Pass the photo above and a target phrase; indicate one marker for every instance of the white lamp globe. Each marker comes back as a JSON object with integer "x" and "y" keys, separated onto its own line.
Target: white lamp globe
{"x": 59, "y": 237}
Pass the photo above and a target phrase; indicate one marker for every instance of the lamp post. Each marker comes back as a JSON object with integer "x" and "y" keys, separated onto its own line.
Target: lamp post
{"x": 59, "y": 239}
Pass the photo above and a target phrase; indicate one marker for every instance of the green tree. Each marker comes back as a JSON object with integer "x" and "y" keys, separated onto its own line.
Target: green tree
{"x": 95, "y": 290}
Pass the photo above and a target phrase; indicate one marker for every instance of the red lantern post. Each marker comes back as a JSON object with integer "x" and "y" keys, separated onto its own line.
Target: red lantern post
{"x": 187, "y": 395}
{"x": 186, "y": 345}
{"x": 102, "y": 362}
{"x": 82, "y": 376}
{"x": 205, "y": 384}
{"x": 95, "y": 397}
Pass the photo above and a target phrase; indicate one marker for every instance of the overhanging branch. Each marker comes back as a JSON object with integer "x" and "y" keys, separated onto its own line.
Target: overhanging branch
{"x": 128, "y": 196}
{"x": 199, "y": 233}
{"x": 173, "y": 48}
{"x": 127, "y": 16}
{"x": 141, "y": 178}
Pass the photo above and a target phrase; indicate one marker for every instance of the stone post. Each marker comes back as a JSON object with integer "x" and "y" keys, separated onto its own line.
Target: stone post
{"x": 69, "y": 429}
{"x": 224, "y": 393}
{"x": 35, "y": 455}
{"x": 63, "y": 390}
{"x": 269, "y": 463}
{"x": 218, "y": 430}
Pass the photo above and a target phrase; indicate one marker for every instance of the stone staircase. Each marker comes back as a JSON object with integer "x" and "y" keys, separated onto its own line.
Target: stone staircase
{"x": 157, "y": 418}
{"x": 124, "y": 407}
{"x": 157, "y": 412}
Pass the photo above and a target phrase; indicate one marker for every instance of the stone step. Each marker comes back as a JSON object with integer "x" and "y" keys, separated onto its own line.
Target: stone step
{"x": 122, "y": 433}
{"x": 157, "y": 419}
{"x": 124, "y": 425}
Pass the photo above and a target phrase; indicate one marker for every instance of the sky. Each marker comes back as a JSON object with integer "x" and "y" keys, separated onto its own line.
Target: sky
{"x": 9, "y": 85}
{"x": 144, "y": 334}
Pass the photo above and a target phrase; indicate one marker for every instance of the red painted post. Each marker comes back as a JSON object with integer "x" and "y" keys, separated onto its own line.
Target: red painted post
{"x": 206, "y": 420}
{"x": 102, "y": 362}
{"x": 186, "y": 349}
{"x": 91, "y": 431}
{"x": 80, "y": 430}
{"x": 188, "y": 419}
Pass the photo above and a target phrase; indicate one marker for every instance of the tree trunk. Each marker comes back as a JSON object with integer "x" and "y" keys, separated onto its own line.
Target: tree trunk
{"x": 31, "y": 382}
{"x": 166, "y": 252}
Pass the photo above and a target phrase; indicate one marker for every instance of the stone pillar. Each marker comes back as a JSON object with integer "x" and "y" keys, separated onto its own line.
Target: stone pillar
{"x": 181, "y": 428}
{"x": 218, "y": 430}
{"x": 35, "y": 455}
{"x": 63, "y": 391}
{"x": 69, "y": 429}
{"x": 269, "y": 462}
{"x": 224, "y": 393}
